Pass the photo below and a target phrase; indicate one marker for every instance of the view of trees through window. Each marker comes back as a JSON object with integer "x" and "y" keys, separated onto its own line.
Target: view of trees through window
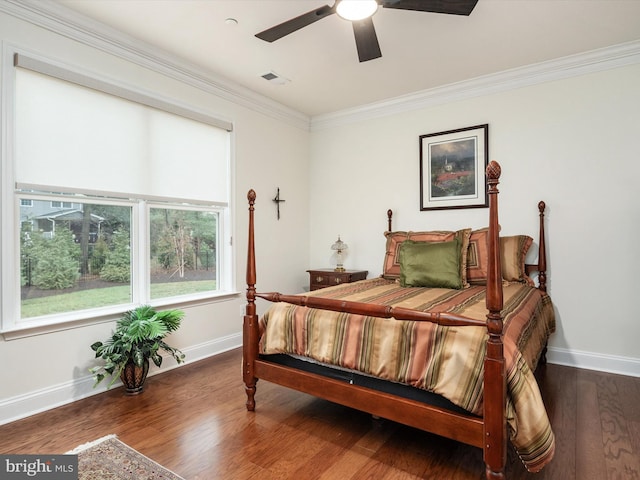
{"x": 77, "y": 256}
{"x": 182, "y": 251}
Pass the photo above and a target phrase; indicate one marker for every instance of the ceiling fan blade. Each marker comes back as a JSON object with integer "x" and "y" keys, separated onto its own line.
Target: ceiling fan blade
{"x": 454, "y": 7}
{"x": 366, "y": 40}
{"x": 290, "y": 26}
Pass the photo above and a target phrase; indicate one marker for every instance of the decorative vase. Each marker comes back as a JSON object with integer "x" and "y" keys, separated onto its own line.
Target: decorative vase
{"x": 133, "y": 377}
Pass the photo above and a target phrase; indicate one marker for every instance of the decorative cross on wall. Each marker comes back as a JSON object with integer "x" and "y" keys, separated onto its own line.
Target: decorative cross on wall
{"x": 278, "y": 200}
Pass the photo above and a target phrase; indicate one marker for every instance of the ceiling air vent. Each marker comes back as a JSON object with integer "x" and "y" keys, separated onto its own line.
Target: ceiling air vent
{"x": 275, "y": 78}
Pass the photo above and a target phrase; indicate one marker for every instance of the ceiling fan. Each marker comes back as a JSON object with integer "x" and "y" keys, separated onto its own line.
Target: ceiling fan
{"x": 360, "y": 13}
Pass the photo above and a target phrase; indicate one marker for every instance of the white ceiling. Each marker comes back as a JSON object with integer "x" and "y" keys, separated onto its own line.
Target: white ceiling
{"x": 420, "y": 50}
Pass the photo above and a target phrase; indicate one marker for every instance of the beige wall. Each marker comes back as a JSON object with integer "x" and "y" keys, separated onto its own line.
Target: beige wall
{"x": 570, "y": 142}
{"x": 45, "y": 370}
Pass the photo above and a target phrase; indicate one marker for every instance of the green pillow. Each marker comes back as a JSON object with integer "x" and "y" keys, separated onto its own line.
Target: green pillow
{"x": 430, "y": 264}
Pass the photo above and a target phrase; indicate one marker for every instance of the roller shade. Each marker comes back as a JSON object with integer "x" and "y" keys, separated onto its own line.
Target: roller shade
{"x": 82, "y": 137}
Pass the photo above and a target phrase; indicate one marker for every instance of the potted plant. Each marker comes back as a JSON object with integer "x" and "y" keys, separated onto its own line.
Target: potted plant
{"x": 137, "y": 338}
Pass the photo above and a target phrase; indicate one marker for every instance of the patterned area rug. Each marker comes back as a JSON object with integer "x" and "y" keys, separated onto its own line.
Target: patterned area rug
{"x": 109, "y": 459}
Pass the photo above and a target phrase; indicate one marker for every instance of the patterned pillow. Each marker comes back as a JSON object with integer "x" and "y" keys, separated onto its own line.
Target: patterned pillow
{"x": 478, "y": 257}
{"x": 513, "y": 251}
{"x": 391, "y": 267}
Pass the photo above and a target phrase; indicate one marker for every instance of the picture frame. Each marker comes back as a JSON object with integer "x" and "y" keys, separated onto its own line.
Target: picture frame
{"x": 452, "y": 168}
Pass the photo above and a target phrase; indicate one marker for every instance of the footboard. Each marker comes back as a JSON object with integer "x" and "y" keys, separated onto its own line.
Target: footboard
{"x": 488, "y": 432}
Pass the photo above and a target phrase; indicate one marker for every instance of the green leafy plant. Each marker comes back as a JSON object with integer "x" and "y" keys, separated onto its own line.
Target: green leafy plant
{"x": 55, "y": 260}
{"x": 117, "y": 262}
{"x": 137, "y": 338}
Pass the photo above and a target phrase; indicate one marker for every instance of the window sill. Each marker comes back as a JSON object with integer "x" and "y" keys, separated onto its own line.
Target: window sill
{"x": 32, "y": 328}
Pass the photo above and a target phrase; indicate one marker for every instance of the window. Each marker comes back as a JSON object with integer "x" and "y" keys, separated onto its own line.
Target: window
{"x": 59, "y": 204}
{"x": 74, "y": 260}
{"x": 125, "y": 202}
{"x": 183, "y": 249}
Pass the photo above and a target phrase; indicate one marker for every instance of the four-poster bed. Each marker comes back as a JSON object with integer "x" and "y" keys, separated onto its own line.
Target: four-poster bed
{"x": 474, "y": 345}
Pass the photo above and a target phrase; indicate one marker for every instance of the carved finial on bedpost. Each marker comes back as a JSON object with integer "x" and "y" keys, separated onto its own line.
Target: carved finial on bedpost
{"x": 389, "y": 215}
{"x": 250, "y": 324}
{"x": 493, "y": 173}
{"x": 542, "y": 251}
{"x": 495, "y": 425}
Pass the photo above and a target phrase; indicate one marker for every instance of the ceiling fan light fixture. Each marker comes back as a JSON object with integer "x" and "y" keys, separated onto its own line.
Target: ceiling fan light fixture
{"x": 354, "y": 10}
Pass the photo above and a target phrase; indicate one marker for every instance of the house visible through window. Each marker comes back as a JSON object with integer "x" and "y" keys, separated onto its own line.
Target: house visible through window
{"x": 74, "y": 259}
{"x": 135, "y": 210}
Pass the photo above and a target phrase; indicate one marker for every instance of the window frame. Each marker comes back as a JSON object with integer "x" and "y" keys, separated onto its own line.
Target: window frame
{"x": 11, "y": 325}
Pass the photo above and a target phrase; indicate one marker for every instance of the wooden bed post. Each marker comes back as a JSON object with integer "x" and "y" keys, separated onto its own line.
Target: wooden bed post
{"x": 250, "y": 326}
{"x": 495, "y": 423}
{"x": 542, "y": 251}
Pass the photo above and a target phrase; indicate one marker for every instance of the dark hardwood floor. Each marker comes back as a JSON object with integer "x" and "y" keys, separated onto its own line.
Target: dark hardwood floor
{"x": 193, "y": 421}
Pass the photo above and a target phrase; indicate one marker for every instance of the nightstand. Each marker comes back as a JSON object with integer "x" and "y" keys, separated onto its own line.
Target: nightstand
{"x": 326, "y": 277}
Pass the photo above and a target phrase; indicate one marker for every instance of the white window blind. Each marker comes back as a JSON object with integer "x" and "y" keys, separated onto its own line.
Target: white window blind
{"x": 122, "y": 155}
{"x": 72, "y": 135}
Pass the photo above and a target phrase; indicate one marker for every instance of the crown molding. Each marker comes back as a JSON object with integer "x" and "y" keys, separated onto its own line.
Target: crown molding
{"x": 63, "y": 21}
{"x": 561, "y": 68}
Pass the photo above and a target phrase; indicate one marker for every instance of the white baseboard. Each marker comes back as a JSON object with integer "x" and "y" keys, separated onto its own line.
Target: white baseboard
{"x": 38, "y": 401}
{"x": 22, "y": 406}
{"x": 595, "y": 361}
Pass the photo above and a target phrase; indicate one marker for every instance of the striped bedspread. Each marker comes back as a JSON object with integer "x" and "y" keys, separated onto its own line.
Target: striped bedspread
{"x": 444, "y": 360}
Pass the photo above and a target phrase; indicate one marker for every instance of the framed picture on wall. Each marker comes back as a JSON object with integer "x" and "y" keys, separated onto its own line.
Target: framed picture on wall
{"x": 452, "y": 168}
